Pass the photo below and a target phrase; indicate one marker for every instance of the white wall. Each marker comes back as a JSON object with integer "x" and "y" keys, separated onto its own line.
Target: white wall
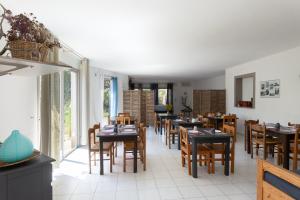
{"x": 247, "y": 89}
{"x": 284, "y": 66}
{"x": 181, "y": 89}
{"x": 18, "y": 110}
{"x": 214, "y": 83}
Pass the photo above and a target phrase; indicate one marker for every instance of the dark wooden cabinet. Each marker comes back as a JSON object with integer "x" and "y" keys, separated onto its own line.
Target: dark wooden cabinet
{"x": 30, "y": 180}
{"x": 209, "y": 101}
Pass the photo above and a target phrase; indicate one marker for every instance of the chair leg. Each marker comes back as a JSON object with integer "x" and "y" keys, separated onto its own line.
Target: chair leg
{"x": 94, "y": 158}
{"x": 251, "y": 149}
{"x": 213, "y": 163}
{"x": 295, "y": 161}
{"x": 189, "y": 165}
{"x": 110, "y": 159}
{"x": 223, "y": 159}
{"x": 124, "y": 160}
{"x": 265, "y": 153}
{"x": 145, "y": 160}
{"x": 257, "y": 147}
{"x": 200, "y": 160}
{"x": 113, "y": 154}
{"x": 182, "y": 160}
{"x": 169, "y": 141}
{"x": 116, "y": 149}
{"x": 90, "y": 164}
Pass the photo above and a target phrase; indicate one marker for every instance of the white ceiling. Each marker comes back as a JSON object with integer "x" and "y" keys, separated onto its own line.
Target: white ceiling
{"x": 180, "y": 39}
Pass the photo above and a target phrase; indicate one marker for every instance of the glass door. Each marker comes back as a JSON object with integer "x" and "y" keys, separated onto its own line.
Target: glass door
{"x": 70, "y": 114}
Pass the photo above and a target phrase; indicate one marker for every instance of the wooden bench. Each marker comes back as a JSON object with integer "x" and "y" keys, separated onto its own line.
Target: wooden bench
{"x": 274, "y": 182}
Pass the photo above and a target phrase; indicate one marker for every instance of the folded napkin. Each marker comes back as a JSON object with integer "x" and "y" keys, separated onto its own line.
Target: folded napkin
{"x": 109, "y": 127}
{"x": 129, "y": 126}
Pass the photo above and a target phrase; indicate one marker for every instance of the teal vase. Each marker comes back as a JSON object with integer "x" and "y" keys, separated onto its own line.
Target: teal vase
{"x": 15, "y": 148}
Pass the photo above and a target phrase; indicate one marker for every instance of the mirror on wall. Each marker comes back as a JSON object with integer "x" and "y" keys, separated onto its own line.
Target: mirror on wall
{"x": 245, "y": 90}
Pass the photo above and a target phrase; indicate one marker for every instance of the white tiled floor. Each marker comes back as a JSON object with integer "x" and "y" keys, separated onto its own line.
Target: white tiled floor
{"x": 164, "y": 178}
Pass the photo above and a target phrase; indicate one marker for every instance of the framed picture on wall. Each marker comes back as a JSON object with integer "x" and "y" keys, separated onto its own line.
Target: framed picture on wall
{"x": 270, "y": 88}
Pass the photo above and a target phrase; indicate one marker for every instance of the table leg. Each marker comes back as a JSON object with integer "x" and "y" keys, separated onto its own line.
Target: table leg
{"x": 286, "y": 147}
{"x": 178, "y": 140}
{"x": 194, "y": 158}
{"x": 135, "y": 156}
{"x": 101, "y": 157}
{"x": 227, "y": 154}
{"x": 216, "y": 124}
{"x": 160, "y": 129}
{"x": 248, "y": 141}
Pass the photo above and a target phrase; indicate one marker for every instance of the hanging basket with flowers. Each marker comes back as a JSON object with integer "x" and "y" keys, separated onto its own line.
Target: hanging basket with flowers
{"x": 28, "y": 38}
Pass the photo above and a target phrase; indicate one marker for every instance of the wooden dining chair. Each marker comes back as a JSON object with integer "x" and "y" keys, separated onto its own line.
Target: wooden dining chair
{"x": 94, "y": 148}
{"x": 204, "y": 153}
{"x": 247, "y": 131}
{"x": 141, "y": 147}
{"x": 260, "y": 139}
{"x": 156, "y": 123}
{"x": 219, "y": 149}
{"x": 171, "y": 133}
{"x": 230, "y": 120}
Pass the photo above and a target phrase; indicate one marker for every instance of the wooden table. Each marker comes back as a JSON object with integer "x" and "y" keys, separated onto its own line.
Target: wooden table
{"x": 207, "y": 136}
{"x": 116, "y": 137}
{"x": 285, "y": 134}
{"x": 163, "y": 116}
{"x": 185, "y": 124}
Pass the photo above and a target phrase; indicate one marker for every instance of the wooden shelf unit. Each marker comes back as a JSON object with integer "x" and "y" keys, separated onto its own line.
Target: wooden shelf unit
{"x": 209, "y": 101}
{"x": 21, "y": 67}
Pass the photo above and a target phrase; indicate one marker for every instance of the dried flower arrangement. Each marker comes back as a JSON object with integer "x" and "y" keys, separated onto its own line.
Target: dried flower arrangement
{"x": 25, "y": 27}
{"x": 27, "y": 37}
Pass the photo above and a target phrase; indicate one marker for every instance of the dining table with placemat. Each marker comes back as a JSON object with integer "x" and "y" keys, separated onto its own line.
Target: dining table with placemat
{"x": 285, "y": 134}
{"x": 205, "y": 136}
{"x": 117, "y": 133}
{"x": 185, "y": 123}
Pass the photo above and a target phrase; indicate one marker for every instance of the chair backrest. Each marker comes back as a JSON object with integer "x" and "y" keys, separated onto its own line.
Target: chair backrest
{"x": 143, "y": 136}
{"x": 91, "y": 137}
{"x": 125, "y": 114}
{"x": 120, "y": 119}
{"x": 96, "y": 126}
{"x": 230, "y": 120}
{"x": 231, "y": 130}
{"x": 258, "y": 131}
{"x": 126, "y": 120}
{"x": 184, "y": 138}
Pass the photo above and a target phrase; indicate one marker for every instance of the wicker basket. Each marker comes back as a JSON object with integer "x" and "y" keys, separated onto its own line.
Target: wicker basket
{"x": 28, "y": 50}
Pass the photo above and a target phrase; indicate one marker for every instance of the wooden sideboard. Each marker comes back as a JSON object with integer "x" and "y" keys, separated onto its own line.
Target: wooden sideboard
{"x": 30, "y": 180}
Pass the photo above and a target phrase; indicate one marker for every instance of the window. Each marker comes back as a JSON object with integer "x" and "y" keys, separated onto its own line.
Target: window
{"x": 162, "y": 96}
{"x": 106, "y": 100}
{"x": 245, "y": 90}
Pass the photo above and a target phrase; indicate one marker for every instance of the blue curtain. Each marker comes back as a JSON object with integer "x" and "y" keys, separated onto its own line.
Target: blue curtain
{"x": 114, "y": 97}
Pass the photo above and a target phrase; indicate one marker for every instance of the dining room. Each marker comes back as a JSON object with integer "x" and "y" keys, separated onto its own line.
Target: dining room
{"x": 157, "y": 100}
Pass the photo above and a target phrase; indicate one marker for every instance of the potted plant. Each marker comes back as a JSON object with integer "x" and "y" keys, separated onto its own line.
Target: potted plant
{"x": 28, "y": 38}
{"x": 169, "y": 107}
